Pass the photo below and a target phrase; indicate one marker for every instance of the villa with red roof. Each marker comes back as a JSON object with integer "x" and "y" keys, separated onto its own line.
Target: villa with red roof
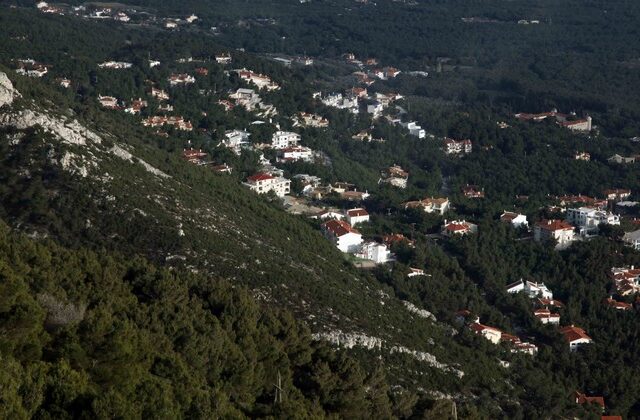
{"x": 262, "y": 183}
{"x": 429, "y": 205}
{"x": 583, "y": 399}
{"x": 575, "y": 336}
{"x": 557, "y": 230}
{"x": 546, "y": 316}
{"x": 516, "y": 220}
{"x": 490, "y": 333}
{"x": 343, "y": 235}
{"x": 458, "y": 227}
{"x": 358, "y": 215}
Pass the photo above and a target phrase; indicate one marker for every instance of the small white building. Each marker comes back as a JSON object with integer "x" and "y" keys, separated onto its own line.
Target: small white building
{"x": 415, "y": 129}
{"x": 517, "y": 220}
{"x": 492, "y": 334}
{"x": 531, "y": 289}
{"x": 547, "y": 317}
{"x": 263, "y": 183}
{"x": 375, "y": 109}
{"x": 235, "y": 139}
{"x": 455, "y": 147}
{"x": 357, "y": 215}
{"x": 284, "y": 139}
{"x": 587, "y": 219}
{"x": 430, "y": 205}
{"x": 632, "y": 239}
{"x": 343, "y": 235}
{"x": 376, "y": 252}
{"x": 292, "y": 154}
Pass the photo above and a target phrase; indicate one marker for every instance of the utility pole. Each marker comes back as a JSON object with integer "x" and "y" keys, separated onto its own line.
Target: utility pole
{"x": 278, "y": 397}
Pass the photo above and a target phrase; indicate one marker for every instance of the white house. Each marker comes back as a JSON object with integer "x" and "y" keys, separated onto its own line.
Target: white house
{"x": 458, "y": 227}
{"x": 546, "y": 316}
{"x": 632, "y": 239}
{"x": 181, "y": 79}
{"x": 235, "y": 139}
{"x": 531, "y": 289}
{"x": 262, "y": 183}
{"x": 292, "y": 154}
{"x": 328, "y": 215}
{"x": 430, "y": 205}
{"x": 557, "y": 230}
{"x": 587, "y": 219}
{"x": 517, "y": 220}
{"x": 357, "y": 215}
{"x": 575, "y": 337}
{"x": 376, "y": 252}
{"x": 414, "y": 272}
{"x": 454, "y": 147}
{"x": 375, "y": 109}
{"x": 343, "y": 235}
{"x": 492, "y": 334}
{"x": 415, "y": 129}
{"x": 284, "y": 139}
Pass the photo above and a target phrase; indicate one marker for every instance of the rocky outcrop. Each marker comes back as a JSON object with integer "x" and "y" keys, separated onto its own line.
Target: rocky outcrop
{"x": 351, "y": 340}
{"x": 68, "y": 131}
{"x": 422, "y": 313}
{"x": 7, "y": 92}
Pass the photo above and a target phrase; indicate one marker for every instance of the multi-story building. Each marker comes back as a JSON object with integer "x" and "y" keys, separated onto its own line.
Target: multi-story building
{"x": 587, "y": 219}
{"x": 343, "y": 235}
{"x": 456, "y": 147}
{"x": 284, "y": 139}
{"x": 557, "y": 230}
{"x": 263, "y": 183}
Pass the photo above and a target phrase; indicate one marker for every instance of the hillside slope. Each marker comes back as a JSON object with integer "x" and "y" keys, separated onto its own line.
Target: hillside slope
{"x": 84, "y": 187}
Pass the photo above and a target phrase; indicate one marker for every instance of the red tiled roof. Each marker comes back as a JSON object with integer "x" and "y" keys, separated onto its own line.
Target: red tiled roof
{"x": 550, "y": 302}
{"x": 338, "y": 227}
{"x": 259, "y": 177}
{"x": 478, "y": 327}
{"x": 617, "y": 305}
{"x": 554, "y": 225}
{"x": 572, "y": 333}
{"x": 357, "y": 212}
{"x": 583, "y": 399}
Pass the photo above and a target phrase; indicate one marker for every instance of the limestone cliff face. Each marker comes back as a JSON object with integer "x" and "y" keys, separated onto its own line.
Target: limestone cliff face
{"x": 7, "y": 92}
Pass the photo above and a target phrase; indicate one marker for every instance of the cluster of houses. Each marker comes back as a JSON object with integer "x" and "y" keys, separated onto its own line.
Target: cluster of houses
{"x": 357, "y": 99}
{"x": 394, "y": 176}
{"x": 372, "y": 71}
{"x": 495, "y": 335}
{"x": 564, "y": 120}
{"x": 251, "y": 101}
{"x": 175, "y": 121}
{"x": 30, "y": 67}
{"x": 306, "y": 119}
{"x": 626, "y": 280}
{"x": 198, "y": 157}
{"x": 457, "y": 147}
{"x": 115, "y": 65}
{"x": 113, "y": 11}
{"x": 340, "y": 230}
{"x": 573, "y": 336}
{"x": 261, "y": 81}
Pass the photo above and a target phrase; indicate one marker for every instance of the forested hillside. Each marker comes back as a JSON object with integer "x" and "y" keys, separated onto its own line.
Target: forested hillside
{"x": 94, "y": 334}
{"x": 141, "y": 282}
